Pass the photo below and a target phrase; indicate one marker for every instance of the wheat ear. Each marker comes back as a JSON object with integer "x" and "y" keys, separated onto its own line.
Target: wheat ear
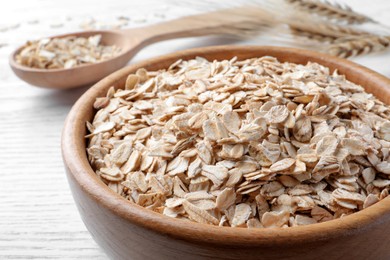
{"x": 324, "y": 32}
{"x": 331, "y": 11}
{"x": 354, "y": 46}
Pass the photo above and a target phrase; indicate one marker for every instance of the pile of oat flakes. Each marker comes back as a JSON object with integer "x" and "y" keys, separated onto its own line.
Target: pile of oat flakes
{"x": 252, "y": 143}
{"x": 66, "y": 52}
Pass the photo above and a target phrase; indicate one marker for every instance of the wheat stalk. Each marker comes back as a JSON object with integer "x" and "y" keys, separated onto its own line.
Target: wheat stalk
{"x": 331, "y": 11}
{"x": 302, "y": 22}
{"x": 284, "y": 20}
{"x": 345, "y": 40}
{"x": 357, "y": 45}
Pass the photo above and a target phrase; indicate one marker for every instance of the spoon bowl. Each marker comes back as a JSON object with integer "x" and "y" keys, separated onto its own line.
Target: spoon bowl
{"x": 131, "y": 41}
{"x": 80, "y": 75}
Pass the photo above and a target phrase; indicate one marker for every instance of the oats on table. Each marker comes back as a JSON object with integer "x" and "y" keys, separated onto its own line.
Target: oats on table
{"x": 67, "y": 52}
{"x": 255, "y": 143}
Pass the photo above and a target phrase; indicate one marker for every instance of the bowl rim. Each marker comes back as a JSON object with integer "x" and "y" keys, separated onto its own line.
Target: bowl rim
{"x": 75, "y": 160}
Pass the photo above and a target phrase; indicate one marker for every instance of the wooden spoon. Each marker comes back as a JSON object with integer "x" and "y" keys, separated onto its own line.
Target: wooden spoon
{"x": 133, "y": 40}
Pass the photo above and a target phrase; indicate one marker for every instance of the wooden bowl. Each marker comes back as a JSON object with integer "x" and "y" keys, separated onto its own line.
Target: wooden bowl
{"x": 128, "y": 231}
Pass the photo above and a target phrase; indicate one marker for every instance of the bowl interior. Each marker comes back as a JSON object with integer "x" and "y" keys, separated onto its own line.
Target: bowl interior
{"x": 73, "y": 147}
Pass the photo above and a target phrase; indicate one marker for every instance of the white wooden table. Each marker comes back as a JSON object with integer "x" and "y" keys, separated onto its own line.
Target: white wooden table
{"x": 38, "y": 218}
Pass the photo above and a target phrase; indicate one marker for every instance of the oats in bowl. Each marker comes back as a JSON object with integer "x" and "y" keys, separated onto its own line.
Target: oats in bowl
{"x": 255, "y": 143}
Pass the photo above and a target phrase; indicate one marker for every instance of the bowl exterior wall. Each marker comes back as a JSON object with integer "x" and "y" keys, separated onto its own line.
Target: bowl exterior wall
{"x": 121, "y": 239}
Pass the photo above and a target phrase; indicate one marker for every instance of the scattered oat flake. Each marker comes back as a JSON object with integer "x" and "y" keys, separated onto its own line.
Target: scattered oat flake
{"x": 121, "y": 153}
{"x": 104, "y": 128}
{"x": 241, "y": 214}
{"x": 371, "y": 199}
{"x": 277, "y": 114}
{"x": 275, "y": 219}
{"x": 217, "y": 174}
{"x": 321, "y": 214}
{"x": 282, "y": 165}
{"x": 225, "y": 199}
{"x": 199, "y": 215}
{"x": 301, "y": 220}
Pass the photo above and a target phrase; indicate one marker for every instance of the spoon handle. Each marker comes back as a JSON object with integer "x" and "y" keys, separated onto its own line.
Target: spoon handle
{"x": 218, "y": 22}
